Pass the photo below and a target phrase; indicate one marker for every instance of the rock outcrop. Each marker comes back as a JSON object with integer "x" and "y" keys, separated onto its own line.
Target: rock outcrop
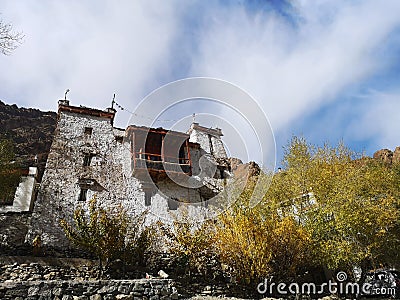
{"x": 396, "y": 155}
{"x": 388, "y": 156}
{"x": 244, "y": 171}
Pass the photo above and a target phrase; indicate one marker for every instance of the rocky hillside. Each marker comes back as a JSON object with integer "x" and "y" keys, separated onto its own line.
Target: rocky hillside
{"x": 31, "y": 130}
{"x": 388, "y": 156}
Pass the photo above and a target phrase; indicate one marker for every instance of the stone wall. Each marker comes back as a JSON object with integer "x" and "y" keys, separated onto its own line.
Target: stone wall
{"x": 152, "y": 289}
{"x": 61, "y": 186}
{"x": 38, "y": 270}
{"x": 76, "y": 278}
{"x": 35, "y": 278}
{"x": 209, "y": 140}
{"x": 13, "y": 229}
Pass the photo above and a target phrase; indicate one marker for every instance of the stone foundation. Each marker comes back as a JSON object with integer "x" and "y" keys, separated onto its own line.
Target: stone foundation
{"x": 42, "y": 278}
{"x": 12, "y": 232}
{"x": 152, "y": 289}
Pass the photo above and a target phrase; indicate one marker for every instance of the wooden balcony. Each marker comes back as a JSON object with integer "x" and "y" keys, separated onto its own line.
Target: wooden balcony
{"x": 157, "y": 151}
{"x": 154, "y": 164}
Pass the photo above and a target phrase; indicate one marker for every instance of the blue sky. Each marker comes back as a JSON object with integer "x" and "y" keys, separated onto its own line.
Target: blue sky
{"x": 328, "y": 70}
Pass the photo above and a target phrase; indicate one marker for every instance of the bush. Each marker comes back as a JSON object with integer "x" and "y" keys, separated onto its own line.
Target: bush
{"x": 108, "y": 234}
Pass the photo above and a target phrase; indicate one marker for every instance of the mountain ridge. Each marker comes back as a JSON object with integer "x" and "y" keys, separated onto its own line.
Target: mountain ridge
{"x": 31, "y": 131}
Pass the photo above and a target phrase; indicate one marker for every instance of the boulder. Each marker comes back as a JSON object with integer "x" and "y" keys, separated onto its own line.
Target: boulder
{"x": 396, "y": 155}
{"x": 385, "y": 155}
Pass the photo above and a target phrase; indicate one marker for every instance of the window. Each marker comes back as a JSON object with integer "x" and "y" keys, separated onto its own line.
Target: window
{"x": 211, "y": 144}
{"x": 147, "y": 198}
{"x": 173, "y": 203}
{"x": 83, "y": 194}
{"x": 221, "y": 173}
{"x": 87, "y": 159}
{"x": 88, "y": 130}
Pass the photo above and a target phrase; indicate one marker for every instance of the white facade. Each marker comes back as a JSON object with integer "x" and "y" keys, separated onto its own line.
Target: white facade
{"x": 90, "y": 157}
{"x": 209, "y": 139}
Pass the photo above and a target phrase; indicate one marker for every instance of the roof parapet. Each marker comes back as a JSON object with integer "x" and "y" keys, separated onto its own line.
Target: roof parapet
{"x": 64, "y": 106}
{"x": 213, "y": 131}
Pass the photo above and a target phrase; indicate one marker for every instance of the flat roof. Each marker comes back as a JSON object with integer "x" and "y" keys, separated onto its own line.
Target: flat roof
{"x": 109, "y": 113}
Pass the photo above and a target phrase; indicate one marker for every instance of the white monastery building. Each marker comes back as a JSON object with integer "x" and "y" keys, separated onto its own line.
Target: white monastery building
{"x": 139, "y": 168}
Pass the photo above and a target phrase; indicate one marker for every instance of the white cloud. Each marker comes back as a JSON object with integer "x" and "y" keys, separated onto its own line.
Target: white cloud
{"x": 293, "y": 70}
{"x": 93, "y": 48}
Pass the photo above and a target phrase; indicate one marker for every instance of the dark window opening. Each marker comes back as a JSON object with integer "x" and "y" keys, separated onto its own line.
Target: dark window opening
{"x": 83, "y": 194}
{"x": 119, "y": 139}
{"x": 211, "y": 144}
{"x": 153, "y": 146}
{"x": 147, "y": 198}
{"x": 222, "y": 173}
{"x": 173, "y": 203}
{"x": 88, "y": 130}
{"x": 182, "y": 155}
{"x": 87, "y": 159}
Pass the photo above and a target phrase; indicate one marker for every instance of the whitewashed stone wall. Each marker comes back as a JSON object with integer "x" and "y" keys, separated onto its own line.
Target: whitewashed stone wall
{"x": 59, "y": 191}
{"x": 218, "y": 147}
{"x": 209, "y": 140}
{"x": 111, "y": 175}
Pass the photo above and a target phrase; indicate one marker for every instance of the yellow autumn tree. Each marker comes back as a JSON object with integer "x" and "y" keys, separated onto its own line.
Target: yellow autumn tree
{"x": 260, "y": 242}
{"x": 348, "y": 204}
{"x": 290, "y": 244}
{"x": 328, "y": 207}
{"x": 257, "y": 246}
{"x": 243, "y": 244}
{"x": 190, "y": 243}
